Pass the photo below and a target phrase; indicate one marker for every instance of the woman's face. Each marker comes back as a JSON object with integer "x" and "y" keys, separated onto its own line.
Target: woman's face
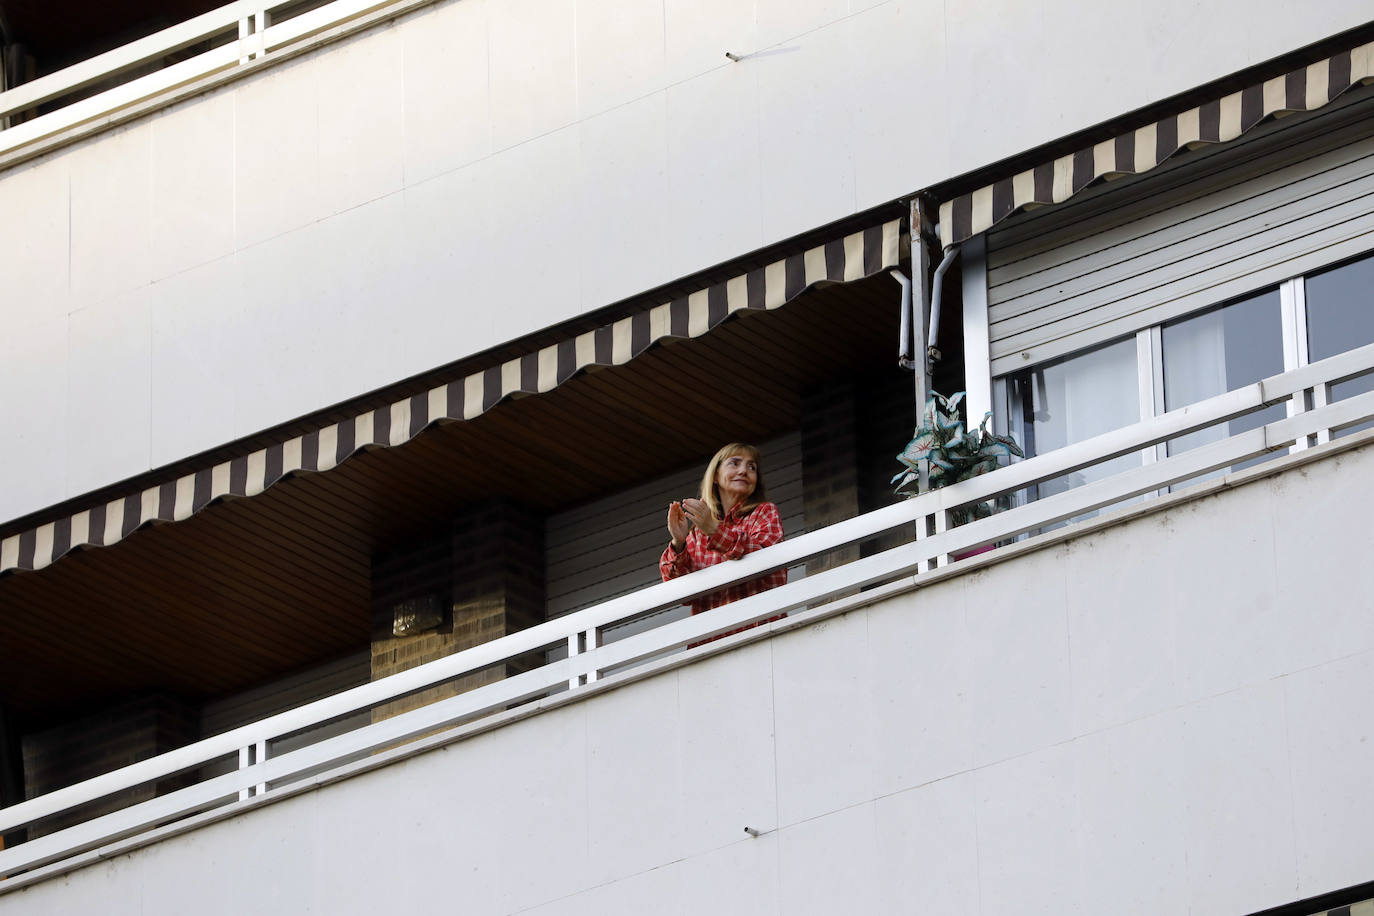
{"x": 737, "y": 476}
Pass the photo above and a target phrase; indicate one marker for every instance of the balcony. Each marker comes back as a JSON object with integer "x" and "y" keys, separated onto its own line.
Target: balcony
{"x": 1170, "y": 680}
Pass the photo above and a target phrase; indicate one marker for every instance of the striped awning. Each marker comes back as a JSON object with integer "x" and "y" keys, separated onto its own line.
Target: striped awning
{"x": 1140, "y": 150}
{"x": 1363, "y": 908}
{"x": 852, "y": 257}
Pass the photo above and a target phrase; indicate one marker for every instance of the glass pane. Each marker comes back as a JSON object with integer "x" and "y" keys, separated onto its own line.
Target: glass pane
{"x": 1069, "y": 401}
{"x": 1340, "y": 317}
{"x": 1218, "y": 351}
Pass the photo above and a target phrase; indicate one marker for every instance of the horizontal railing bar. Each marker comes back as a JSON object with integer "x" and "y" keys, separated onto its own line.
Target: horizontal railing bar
{"x": 1333, "y": 369}
{"x": 1025, "y": 518}
{"x": 1170, "y": 425}
{"x": 123, "y": 96}
{"x": 1340, "y": 413}
{"x": 662, "y": 595}
{"x": 319, "y": 20}
{"x": 336, "y": 750}
{"x": 124, "y": 58}
{"x": 1104, "y": 447}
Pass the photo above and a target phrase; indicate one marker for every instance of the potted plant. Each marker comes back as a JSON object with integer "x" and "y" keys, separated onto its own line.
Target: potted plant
{"x": 952, "y": 453}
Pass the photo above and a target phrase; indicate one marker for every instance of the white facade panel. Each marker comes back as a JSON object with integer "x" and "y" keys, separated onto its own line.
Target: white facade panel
{"x": 1030, "y": 796}
{"x": 38, "y": 411}
{"x": 1117, "y": 770}
{"x": 928, "y": 848}
{"x": 713, "y": 142}
{"x": 1330, "y": 795}
{"x": 277, "y": 186}
{"x": 829, "y": 864}
{"x": 1239, "y": 821}
{"x": 834, "y": 107}
{"x": 896, "y": 121}
{"x": 728, "y": 769}
{"x": 1224, "y": 645}
{"x": 922, "y": 692}
{"x": 35, "y": 253}
{"x": 111, "y": 183}
{"x": 191, "y": 204}
{"x": 447, "y": 104}
{"x": 1347, "y": 626}
{"x": 361, "y": 120}
{"x": 1019, "y": 652}
{"x": 195, "y": 320}
{"x": 824, "y": 729}
{"x": 533, "y": 68}
{"x": 1123, "y": 664}
{"x": 806, "y": 129}
{"x": 742, "y": 877}
{"x": 633, "y": 734}
{"x": 108, "y": 411}
{"x": 623, "y": 182}
{"x": 621, "y": 53}
{"x": 1229, "y": 803}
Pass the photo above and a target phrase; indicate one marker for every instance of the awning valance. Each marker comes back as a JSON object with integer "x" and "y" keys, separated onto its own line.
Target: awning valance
{"x": 849, "y": 258}
{"x": 1140, "y": 150}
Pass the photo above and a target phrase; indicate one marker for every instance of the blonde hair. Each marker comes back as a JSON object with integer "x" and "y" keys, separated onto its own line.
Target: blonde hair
{"x": 710, "y": 493}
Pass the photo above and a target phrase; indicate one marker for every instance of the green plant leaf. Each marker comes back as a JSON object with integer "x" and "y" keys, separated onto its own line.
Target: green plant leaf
{"x": 917, "y": 449}
{"x": 952, "y": 450}
{"x": 1007, "y": 443}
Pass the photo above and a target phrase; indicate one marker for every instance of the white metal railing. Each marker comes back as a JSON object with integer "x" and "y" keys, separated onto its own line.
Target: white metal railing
{"x": 588, "y": 659}
{"x": 247, "y": 27}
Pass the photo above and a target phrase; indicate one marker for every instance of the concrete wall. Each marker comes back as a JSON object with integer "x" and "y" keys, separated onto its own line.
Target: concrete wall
{"x": 1167, "y": 716}
{"x": 485, "y": 168}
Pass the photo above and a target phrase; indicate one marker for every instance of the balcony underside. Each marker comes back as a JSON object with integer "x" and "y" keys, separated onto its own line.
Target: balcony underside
{"x": 255, "y": 588}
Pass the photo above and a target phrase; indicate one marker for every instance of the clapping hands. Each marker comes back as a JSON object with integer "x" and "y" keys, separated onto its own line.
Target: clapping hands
{"x": 683, "y": 515}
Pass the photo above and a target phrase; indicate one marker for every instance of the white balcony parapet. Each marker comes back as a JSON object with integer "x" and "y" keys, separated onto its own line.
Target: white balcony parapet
{"x": 248, "y": 29}
{"x": 898, "y": 567}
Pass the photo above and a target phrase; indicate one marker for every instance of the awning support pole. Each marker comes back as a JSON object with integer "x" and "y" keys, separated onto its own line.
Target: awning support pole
{"x": 933, "y": 336}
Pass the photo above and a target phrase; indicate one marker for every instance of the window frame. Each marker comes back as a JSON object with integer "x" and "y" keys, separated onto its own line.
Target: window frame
{"x": 1149, "y": 356}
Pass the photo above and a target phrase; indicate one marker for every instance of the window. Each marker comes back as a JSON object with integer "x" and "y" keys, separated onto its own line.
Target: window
{"x": 1060, "y": 403}
{"x": 1188, "y": 360}
{"x": 1219, "y": 351}
{"x": 1340, "y": 317}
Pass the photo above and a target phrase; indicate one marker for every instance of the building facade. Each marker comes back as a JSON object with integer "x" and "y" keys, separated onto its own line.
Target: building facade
{"x": 349, "y": 341}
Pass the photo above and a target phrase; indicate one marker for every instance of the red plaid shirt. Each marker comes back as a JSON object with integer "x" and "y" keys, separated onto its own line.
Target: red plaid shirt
{"x": 736, "y": 536}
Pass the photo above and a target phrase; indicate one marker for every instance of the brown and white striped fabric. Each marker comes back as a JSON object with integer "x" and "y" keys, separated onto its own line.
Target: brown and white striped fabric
{"x": 1363, "y": 908}
{"x": 850, "y": 258}
{"x": 1140, "y": 150}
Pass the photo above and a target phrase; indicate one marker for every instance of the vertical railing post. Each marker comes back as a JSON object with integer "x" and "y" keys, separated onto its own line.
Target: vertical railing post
{"x": 922, "y": 535}
{"x": 941, "y": 526}
{"x": 245, "y": 31}
{"x": 591, "y": 639}
{"x": 260, "y": 32}
{"x": 1293, "y": 315}
{"x": 262, "y": 758}
{"x": 248, "y": 756}
{"x": 574, "y": 650}
{"x": 245, "y": 761}
{"x": 1321, "y": 396}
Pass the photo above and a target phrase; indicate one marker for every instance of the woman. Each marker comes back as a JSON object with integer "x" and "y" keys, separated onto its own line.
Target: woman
{"x": 731, "y": 518}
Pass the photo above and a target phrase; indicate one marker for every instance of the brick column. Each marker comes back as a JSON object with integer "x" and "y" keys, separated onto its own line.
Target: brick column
{"x": 886, "y": 420}
{"x": 485, "y": 574}
{"x": 829, "y": 447}
{"x": 126, "y": 733}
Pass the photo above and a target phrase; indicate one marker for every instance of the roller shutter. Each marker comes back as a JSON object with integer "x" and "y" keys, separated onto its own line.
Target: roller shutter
{"x": 1197, "y": 232}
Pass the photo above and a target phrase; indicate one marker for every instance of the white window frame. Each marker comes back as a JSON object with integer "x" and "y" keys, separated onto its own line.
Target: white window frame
{"x": 992, "y": 393}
